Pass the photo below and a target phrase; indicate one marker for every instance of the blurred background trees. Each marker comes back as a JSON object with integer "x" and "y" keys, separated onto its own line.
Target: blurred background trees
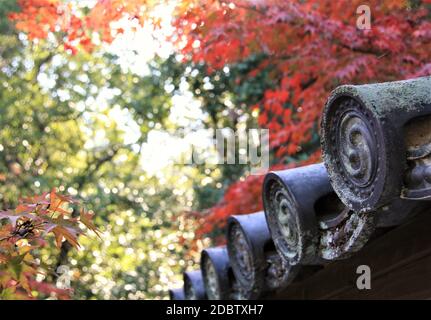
{"x": 65, "y": 122}
{"x": 74, "y": 115}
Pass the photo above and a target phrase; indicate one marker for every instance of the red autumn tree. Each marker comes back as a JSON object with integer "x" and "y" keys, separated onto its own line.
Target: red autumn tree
{"x": 313, "y": 46}
{"x": 76, "y": 31}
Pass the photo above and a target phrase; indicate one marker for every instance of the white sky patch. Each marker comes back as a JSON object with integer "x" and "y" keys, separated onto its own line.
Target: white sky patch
{"x": 186, "y": 112}
{"x": 159, "y": 150}
{"x": 165, "y": 148}
{"x": 138, "y": 45}
{"x": 126, "y": 123}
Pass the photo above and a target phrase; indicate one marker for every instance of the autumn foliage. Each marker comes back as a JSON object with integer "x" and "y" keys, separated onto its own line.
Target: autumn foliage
{"x": 313, "y": 46}
{"x": 24, "y": 230}
{"x": 38, "y": 18}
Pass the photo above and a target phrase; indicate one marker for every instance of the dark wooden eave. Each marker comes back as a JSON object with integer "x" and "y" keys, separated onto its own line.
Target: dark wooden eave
{"x": 400, "y": 262}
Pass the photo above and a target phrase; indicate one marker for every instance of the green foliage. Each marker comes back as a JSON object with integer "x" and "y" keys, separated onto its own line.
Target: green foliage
{"x": 226, "y": 94}
{"x": 66, "y": 121}
{"x": 7, "y": 6}
{"x": 140, "y": 255}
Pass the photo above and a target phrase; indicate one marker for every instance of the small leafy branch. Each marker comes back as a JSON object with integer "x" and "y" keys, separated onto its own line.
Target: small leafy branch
{"x": 24, "y": 230}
